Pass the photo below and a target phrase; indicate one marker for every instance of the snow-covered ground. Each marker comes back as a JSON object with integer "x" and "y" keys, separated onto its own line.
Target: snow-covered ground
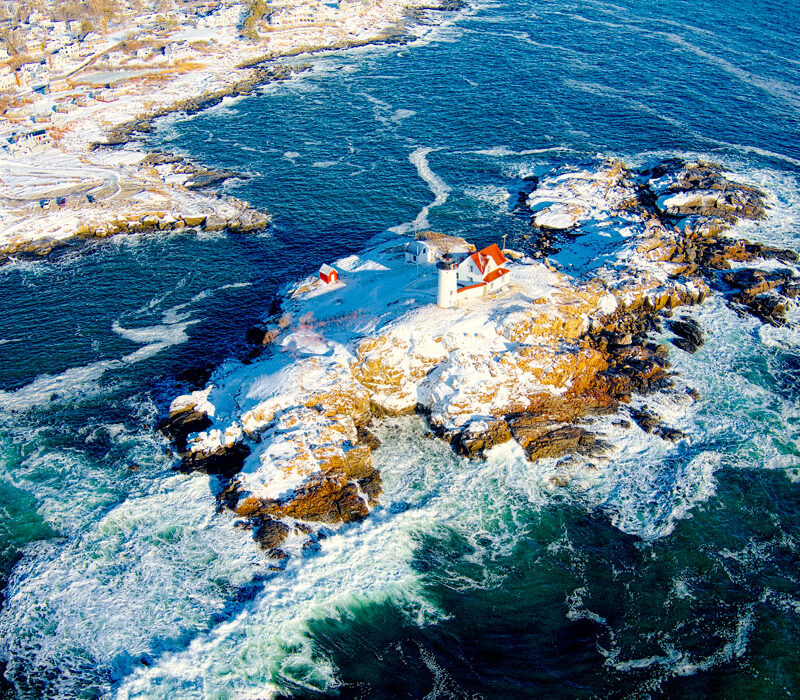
{"x": 376, "y": 341}
{"x": 121, "y": 186}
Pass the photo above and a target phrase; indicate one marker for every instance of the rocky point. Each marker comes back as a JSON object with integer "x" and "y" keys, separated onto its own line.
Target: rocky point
{"x": 288, "y": 432}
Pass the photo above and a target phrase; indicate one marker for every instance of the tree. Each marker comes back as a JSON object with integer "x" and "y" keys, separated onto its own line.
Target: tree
{"x": 10, "y": 39}
{"x": 256, "y": 11}
{"x": 104, "y": 11}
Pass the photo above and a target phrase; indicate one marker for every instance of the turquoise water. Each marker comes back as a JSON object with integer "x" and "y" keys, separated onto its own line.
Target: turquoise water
{"x": 671, "y": 573}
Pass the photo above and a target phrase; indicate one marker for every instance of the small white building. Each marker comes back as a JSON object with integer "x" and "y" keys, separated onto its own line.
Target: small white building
{"x": 430, "y": 247}
{"x": 421, "y": 252}
{"x": 7, "y": 82}
{"x": 59, "y": 85}
{"x": 27, "y": 74}
{"x": 33, "y": 42}
{"x": 30, "y": 141}
{"x": 72, "y": 50}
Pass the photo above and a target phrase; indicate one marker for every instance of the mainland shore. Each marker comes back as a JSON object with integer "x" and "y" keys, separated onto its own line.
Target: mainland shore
{"x": 70, "y": 168}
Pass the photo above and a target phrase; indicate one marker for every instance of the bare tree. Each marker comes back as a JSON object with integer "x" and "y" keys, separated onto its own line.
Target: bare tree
{"x": 104, "y": 11}
{"x": 11, "y": 41}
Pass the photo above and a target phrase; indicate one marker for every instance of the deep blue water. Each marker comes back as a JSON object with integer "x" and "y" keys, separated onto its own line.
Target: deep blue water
{"x": 676, "y": 577}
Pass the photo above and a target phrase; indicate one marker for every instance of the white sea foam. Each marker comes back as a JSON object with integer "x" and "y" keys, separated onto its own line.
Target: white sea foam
{"x": 152, "y": 569}
{"x": 80, "y": 382}
{"x": 505, "y": 151}
{"x": 788, "y": 92}
{"x": 45, "y": 388}
{"x": 491, "y": 194}
{"x": 675, "y": 662}
{"x": 440, "y": 189}
{"x": 400, "y": 115}
{"x": 426, "y": 487}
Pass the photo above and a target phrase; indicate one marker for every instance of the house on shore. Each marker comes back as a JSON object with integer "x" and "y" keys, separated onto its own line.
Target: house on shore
{"x": 328, "y": 275}
{"x": 479, "y": 274}
{"x": 21, "y": 143}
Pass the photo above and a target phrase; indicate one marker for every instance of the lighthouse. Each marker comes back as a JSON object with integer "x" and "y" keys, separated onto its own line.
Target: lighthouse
{"x": 448, "y": 282}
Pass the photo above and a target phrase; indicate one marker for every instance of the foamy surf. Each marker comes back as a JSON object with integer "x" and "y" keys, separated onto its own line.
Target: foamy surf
{"x": 439, "y": 188}
{"x": 663, "y": 570}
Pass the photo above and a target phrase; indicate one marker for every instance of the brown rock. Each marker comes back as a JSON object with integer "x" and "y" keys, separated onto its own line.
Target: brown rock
{"x": 688, "y": 329}
{"x": 646, "y": 420}
{"x": 544, "y": 439}
{"x": 367, "y": 437}
{"x": 358, "y": 462}
{"x": 476, "y": 439}
{"x": 684, "y": 344}
{"x": 651, "y": 423}
{"x": 350, "y": 505}
{"x": 326, "y": 498}
{"x": 225, "y": 461}
{"x": 765, "y": 307}
{"x": 194, "y": 219}
{"x": 178, "y": 426}
{"x": 214, "y": 222}
{"x": 271, "y": 533}
{"x": 372, "y": 486}
{"x": 260, "y": 335}
{"x": 754, "y": 282}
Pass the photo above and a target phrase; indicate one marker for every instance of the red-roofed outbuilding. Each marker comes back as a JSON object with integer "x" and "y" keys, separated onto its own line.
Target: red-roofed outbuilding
{"x": 328, "y": 274}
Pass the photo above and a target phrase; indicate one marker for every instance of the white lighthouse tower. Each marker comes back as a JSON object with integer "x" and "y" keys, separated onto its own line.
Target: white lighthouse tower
{"x": 448, "y": 282}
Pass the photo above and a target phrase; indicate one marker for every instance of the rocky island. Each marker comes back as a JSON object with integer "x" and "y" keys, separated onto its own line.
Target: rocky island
{"x": 288, "y": 431}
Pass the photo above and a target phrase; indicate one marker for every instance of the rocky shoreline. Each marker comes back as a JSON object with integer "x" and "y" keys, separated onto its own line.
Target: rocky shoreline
{"x": 129, "y": 131}
{"x": 244, "y": 219}
{"x": 294, "y": 459}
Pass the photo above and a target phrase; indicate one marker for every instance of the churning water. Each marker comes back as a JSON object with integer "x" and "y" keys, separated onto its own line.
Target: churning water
{"x": 671, "y": 572}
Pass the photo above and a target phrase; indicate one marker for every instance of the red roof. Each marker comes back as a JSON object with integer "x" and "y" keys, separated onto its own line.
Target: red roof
{"x": 495, "y": 274}
{"x": 470, "y": 286}
{"x": 482, "y": 257}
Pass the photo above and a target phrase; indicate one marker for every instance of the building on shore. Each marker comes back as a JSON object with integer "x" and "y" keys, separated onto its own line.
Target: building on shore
{"x": 21, "y": 143}
{"x": 328, "y": 274}
{"x": 479, "y": 274}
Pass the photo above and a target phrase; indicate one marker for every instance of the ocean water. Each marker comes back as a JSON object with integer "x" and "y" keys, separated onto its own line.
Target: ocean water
{"x": 670, "y": 571}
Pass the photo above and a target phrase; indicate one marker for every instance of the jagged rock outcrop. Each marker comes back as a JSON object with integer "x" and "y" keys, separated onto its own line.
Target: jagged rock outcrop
{"x": 187, "y": 414}
{"x": 650, "y": 422}
{"x": 690, "y": 337}
{"x": 534, "y": 367}
{"x": 223, "y": 460}
{"x": 546, "y": 439}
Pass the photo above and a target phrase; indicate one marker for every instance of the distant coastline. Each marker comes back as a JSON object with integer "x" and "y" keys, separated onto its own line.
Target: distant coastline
{"x": 69, "y": 171}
